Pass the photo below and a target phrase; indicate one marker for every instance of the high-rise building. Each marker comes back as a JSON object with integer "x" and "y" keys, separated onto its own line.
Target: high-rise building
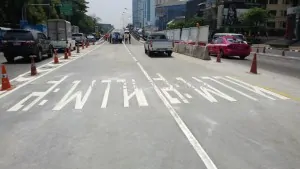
{"x": 278, "y": 9}
{"x": 293, "y": 20}
{"x": 138, "y": 13}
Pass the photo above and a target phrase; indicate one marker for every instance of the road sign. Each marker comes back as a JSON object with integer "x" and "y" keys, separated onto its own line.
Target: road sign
{"x": 66, "y": 8}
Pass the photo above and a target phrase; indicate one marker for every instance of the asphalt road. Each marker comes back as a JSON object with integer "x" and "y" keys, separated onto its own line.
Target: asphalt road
{"x": 21, "y": 65}
{"x": 115, "y": 107}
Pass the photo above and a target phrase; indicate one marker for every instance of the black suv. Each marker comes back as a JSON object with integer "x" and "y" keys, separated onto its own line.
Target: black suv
{"x": 25, "y": 43}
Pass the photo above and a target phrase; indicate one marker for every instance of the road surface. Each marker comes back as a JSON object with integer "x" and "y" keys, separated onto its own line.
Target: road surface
{"x": 115, "y": 107}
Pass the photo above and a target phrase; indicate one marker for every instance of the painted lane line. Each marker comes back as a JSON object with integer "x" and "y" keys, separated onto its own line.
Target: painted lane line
{"x": 78, "y": 96}
{"x": 56, "y": 90}
{"x": 39, "y": 96}
{"x": 40, "y": 76}
{"x": 206, "y": 88}
{"x": 255, "y": 89}
{"x": 43, "y": 102}
{"x": 229, "y": 87}
{"x": 189, "y": 135}
{"x": 171, "y": 88}
{"x": 106, "y": 93}
{"x": 188, "y": 96}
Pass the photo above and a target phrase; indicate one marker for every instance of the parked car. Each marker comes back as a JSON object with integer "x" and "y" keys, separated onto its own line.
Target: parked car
{"x": 229, "y": 46}
{"x": 2, "y": 32}
{"x": 91, "y": 38}
{"x": 25, "y": 43}
{"x": 236, "y": 35}
{"x": 79, "y": 38}
{"x": 158, "y": 43}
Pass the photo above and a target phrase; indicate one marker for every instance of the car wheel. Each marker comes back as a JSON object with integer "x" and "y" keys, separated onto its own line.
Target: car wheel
{"x": 9, "y": 58}
{"x": 169, "y": 53}
{"x": 242, "y": 57}
{"x": 50, "y": 52}
{"x": 149, "y": 53}
{"x": 146, "y": 51}
{"x": 39, "y": 55}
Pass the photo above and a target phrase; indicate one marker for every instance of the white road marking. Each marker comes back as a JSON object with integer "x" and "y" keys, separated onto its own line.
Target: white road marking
{"x": 213, "y": 90}
{"x": 138, "y": 93}
{"x": 39, "y": 95}
{"x": 189, "y": 135}
{"x": 177, "y": 85}
{"x": 79, "y": 101}
{"x": 106, "y": 93}
{"x": 56, "y": 90}
{"x": 134, "y": 59}
{"x": 171, "y": 88}
{"x": 231, "y": 88}
{"x": 188, "y": 96}
{"x": 42, "y": 75}
{"x": 43, "y": 102}
{"x": 254, "y": 89}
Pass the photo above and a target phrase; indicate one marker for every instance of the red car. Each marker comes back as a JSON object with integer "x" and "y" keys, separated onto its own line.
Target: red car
{"x": 229, "y": 46}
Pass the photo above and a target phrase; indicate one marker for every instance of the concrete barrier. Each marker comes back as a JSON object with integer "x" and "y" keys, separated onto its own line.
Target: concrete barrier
{"x": 196, "y": 51}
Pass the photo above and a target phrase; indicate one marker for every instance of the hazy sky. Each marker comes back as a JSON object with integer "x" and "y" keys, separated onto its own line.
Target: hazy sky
{"x": 110, "y": 11}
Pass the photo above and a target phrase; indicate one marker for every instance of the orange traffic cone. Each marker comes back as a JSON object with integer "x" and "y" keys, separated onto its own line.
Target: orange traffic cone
{"x": 254, "y": 65}
{"x": 78, "y": 49}
{"x": 69, "y": 51}
{"x": 33, "y": 67}
{"x": 56, "y": 61}
{"x": 66, "y": 53}
{"x": 5, "y": 81}
{"x": 218, "y": 57}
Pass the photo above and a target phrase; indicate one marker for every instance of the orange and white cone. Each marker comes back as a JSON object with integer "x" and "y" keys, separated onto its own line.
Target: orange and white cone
{"x": 5, "y": 81}
{"x": 66, "y": 53}
{"x": 218, "y": 57}
{"x": 69, "y": 51}
{"x": 56, "y": 61}
{"x": 253, "y": 68}
{"x": 33, "y": 67}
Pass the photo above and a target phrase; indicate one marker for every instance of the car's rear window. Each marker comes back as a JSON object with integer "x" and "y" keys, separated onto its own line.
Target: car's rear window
{"x": 18, "y": 35}
{"x": 157, "y": 37}
{"x": 234, "y": 40}
{"x": 77, "y": 34}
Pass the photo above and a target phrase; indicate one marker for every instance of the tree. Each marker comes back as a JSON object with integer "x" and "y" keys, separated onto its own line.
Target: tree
{"x": 255, "y": 17}
{"x": 193, "y": 21}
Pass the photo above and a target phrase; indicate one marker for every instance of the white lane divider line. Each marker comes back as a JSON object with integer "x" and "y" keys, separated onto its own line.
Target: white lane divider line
{"x": 46, "y": 73}
{"x": 189, "y": 135}
{"x": 56, "y": 90}
{"x": 188, "y": 96}
{"x": 43, "y": 102}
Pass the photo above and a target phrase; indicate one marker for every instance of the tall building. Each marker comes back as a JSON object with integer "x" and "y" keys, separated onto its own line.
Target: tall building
{"x": 149, "y": 13}
{"x": 167, "y": 10}
{"x": 293, "y": 20}
{"x": 138, "y": 13}
{"x": 278, "y": 8}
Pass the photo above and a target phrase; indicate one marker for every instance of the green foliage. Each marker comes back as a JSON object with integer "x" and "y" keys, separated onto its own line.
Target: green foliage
{"x": 11, "y": 13}
{"x": 185, "y": 24}
{"x": 255, "y": 17}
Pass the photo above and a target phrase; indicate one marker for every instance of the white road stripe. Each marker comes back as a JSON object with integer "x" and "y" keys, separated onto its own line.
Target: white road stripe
{"x": 43, "y": 102}
{"x": 40, "y": 76}
{"x": 56, "y": 90}
{"x": 193, "y": 141}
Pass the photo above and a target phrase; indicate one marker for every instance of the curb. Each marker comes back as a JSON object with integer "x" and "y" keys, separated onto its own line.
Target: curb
{"x": 278, "y": 56}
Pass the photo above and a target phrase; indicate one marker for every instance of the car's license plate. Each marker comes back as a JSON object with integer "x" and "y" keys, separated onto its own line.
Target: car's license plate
{"x": 17, "y": 44}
